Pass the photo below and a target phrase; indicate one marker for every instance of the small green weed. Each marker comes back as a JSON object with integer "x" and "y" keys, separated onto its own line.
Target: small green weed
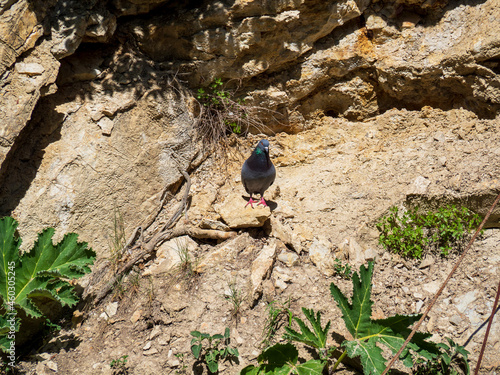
{"x": 187, "y": 265}
{"x": 236, "y": 297}
{"x": 119, "y": 365}
{"x": 278, "y": 314}
{"x": 183, "y": 367}
{"x": 342, "y": 270}
{"x": 221, "y": 107}
{"x": 412, "y": 233}
{"x": 222, "y": 114}
{"x": 217, "y": 348}
{"x": 451, "y": 360}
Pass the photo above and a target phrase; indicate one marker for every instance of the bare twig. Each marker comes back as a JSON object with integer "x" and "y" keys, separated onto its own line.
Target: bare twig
{"x": 438, "y": 293}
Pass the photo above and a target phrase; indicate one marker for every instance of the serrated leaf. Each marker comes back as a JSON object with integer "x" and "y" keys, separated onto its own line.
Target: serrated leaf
{"x": 45, "y": 263}
{"x": 279, "y": 354}
{"x": 367, "y": 333}
{"x": 312, "y": 367}
{"x": 281, "y": 359}
{"x": 315, "y": 338}
{"x": 9, "y": 253}
{"x": 371, "y": 355}
{"x": 8, "y": 323}
{"x": 43, "y": 271}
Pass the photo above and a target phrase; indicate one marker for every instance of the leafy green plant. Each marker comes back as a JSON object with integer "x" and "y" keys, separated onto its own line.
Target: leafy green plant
{"x": 368, "y": 334}
{"x": 451, "y": 360}
{"x": 315, "y": 338}
{"x": 281, "y": 359}
{"x": 44, "y": 271}
{"x": 411, "y": 233}
{"x": 341, "y": 269}
{"x": 277, "y": 315}
{"x": 119, "y": 365}
{"x": 216, "y": 348}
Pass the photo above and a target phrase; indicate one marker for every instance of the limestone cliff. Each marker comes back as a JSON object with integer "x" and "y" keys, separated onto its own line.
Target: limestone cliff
{"x": 96, "y": 111}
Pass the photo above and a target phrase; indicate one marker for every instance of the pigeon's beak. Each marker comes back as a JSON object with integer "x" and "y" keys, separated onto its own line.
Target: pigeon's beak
{"x": 267, "y": 150}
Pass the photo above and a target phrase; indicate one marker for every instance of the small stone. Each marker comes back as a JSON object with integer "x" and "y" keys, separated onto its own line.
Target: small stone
{"x": 456, "y": 320}
{"x": 174, "y": 362}
{"x": 213, "y": 225}
{"x": 321, "y": 256}
{"x": 431, "y": 287}
{"x": 136, "y": 316}
{"x": 464, "y": 300}
{"x": 51, "y": 365}
{"x": 420, "y": 185}
{"x": 356, "y": 253}
{"x": 439, "y": 136}
{"x": 427, "y": 262}
{"x": 280, "y": 284}
{"x": 155, "y": 332}
{"x": 261, "y": 267}
{"x": 111, "y": 309}
{"x": 147, "y": 346}
{"x": 289, "y": 258}
{"x": 370, "y": 255}
{"x": 151, "y": 351}
{"x": 281, "y": 231}
{"x": 106, "y": 125}
{"x": 418, "y": 306}
{"x": 31, "y": 69}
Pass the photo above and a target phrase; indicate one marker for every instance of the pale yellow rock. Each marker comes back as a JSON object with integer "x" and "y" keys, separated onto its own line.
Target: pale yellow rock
{"x": 321, "y": 255}
{"x": 261, "y": 267}
{"x": 236, "y": 215}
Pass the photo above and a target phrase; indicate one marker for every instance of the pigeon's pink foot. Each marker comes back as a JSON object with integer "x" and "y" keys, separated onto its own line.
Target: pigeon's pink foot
{"x": 250, "y": 202}
{"x": 262, "y": 202}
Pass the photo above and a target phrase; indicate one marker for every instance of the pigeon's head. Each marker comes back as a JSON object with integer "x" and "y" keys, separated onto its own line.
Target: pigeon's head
{"x": 263, "y": 146}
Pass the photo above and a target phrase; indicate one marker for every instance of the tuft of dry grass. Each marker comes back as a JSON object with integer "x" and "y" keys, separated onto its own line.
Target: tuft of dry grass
{"x": 221, "y": 115}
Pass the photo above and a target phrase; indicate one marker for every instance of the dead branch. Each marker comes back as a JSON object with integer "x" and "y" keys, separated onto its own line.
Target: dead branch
{"x": 142, "y": 251}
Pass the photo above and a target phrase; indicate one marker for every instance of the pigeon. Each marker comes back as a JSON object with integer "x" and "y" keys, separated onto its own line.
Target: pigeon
{"x": 258, "y": 172}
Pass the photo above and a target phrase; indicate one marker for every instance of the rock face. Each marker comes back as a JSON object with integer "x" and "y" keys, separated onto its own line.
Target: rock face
{"x": 386, "y": 102}
{"x": 100, "y": 82}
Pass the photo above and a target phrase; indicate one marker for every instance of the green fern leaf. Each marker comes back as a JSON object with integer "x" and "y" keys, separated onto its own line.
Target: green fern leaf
{"x": 367, "y": 333}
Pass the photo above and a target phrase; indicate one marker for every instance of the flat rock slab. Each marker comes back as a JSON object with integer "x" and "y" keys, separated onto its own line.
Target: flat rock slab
{"x": 236, "y": 215}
